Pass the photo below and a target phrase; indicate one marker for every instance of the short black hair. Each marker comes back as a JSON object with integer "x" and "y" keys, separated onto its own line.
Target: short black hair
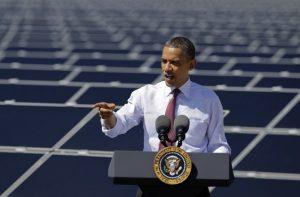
{"x": 184, "y": 44}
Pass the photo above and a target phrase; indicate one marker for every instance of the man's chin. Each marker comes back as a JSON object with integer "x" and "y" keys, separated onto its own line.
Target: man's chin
{"x": 169, "y": 84}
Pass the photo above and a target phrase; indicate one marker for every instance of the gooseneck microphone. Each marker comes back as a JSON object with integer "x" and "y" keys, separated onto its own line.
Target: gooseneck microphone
{"x": 181, "y": 126}
{"x": 163, "y": 126}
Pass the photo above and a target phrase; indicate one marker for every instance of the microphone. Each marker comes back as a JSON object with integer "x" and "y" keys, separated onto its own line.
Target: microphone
{"x": 181, "y": 126}
{"x": 163, "y": 126}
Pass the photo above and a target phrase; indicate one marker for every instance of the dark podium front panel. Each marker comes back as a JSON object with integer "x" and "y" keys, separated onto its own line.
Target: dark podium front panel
{"x": 136, "y": 168}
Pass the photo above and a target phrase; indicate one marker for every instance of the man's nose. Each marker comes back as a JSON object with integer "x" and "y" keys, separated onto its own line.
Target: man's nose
{"x": 168, "y": 66}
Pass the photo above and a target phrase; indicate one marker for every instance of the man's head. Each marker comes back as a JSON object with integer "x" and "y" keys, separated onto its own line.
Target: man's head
{"x": 178, "y": 58}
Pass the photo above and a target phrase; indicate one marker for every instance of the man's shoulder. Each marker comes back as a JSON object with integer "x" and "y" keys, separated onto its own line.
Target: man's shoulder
{"x": 202, "y": 91}
{"x": 150, "y": 88}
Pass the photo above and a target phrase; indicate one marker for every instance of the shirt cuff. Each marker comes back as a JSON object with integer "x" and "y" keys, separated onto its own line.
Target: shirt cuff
{"x": 222, "y": 149}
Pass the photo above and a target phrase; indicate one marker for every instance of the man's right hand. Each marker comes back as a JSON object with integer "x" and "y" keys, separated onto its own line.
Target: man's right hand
{"x": 106, "y": 113}
{"x": 105, "y": 109}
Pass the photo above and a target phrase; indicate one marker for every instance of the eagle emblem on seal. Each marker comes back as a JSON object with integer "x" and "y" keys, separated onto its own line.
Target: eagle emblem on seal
{"x": 172, "y": 165}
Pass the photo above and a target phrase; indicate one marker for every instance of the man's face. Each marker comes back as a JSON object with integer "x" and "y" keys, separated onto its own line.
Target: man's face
{"x": 175, "y": 66}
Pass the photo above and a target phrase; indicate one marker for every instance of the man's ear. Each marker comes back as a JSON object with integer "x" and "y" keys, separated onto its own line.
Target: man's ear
{"x": 192, "y": 64}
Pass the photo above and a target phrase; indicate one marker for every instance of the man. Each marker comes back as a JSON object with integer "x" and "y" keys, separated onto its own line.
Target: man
{"x": 199, "y": 104}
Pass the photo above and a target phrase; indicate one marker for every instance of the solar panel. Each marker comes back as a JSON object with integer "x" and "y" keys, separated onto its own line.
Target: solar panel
{"x": 221, "y": 80}
{"x": 93, "y": 95}
{"x": 27, "y": 60}
{"x": 263, "y": 187}
{"x": 65, "y": 171}
{"x": 33, "y": 74}
{"x": 112, "y": 62}
{"x": 36, "y": 126}
{"x": 291, "y": 120}
{"x": 270, "y": 155}
{"x": 238, "y": 142}
{"x": 121, "y": 77}
{"x": 267, "y": 67}
{"x": 252, "y": 108}
{"x": 36, "y": 93}
{"x": 282, "y": 82}
{"x": 13, "y": 166}
{"x": 91, "y": 137}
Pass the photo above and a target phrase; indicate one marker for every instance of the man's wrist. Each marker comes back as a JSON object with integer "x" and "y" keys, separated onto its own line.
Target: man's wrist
{"x": 110, "y": 122}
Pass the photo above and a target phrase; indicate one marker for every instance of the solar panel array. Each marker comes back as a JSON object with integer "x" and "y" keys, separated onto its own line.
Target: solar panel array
{"x": 59, "y": 57}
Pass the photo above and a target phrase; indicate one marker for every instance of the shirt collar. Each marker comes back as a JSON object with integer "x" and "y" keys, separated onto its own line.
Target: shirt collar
{"x": 185, "y": 89}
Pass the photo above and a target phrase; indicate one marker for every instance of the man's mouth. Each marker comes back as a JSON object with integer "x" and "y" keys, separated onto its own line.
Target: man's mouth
{"x": 169, "y": 76}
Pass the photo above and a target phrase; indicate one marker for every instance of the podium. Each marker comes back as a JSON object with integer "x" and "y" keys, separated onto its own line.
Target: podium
{"x": 136, "y": 168}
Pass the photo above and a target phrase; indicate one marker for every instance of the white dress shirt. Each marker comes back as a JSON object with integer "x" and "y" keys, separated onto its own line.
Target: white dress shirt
{"x": 200, "y": 104}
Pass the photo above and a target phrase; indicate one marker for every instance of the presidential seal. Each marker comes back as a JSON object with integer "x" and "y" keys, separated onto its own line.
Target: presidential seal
{"x": 172, "y": 165}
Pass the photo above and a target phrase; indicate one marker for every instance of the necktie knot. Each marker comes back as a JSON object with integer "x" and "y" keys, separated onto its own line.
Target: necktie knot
{"x": 176, "y": 92}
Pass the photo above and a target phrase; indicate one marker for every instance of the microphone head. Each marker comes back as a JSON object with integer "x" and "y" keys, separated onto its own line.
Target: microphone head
{"x": 181, "y": 124}
{"x": 163, "y": 124}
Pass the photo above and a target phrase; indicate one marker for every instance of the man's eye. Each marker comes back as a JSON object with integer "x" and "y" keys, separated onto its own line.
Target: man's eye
{"x": 164, "y": 61}
{"x": 176, "y": 63}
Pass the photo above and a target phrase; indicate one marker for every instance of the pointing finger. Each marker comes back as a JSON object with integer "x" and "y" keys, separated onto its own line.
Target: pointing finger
{"x": 105, "y": 105}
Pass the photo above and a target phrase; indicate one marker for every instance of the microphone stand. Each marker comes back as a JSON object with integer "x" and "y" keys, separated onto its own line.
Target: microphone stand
{"x": 180, "y": 139}
{"x": 163, "y": 137}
